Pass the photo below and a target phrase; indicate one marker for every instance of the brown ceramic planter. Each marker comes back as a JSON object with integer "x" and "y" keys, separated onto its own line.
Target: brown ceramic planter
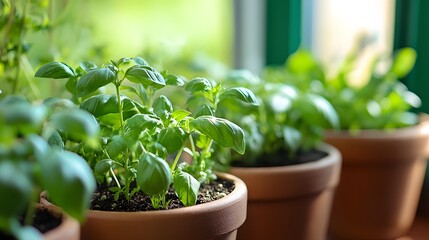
{"x": 214, "y": 220}
{"x": 380, "y": 182}
{"x": 290, "y": 202}
{"x": 69, "y": 229}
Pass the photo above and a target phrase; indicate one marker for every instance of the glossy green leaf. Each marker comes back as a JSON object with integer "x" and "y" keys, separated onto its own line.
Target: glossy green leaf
{"x": 224, "y": 132}
{"x": 153, "y": 175}
{"x": 140, "y": 61}
{"x": 186, "y": 187}
{"x": 77, "y": 124}
{"x": 69, "y": 182}
{"x": 198, "y": 84}
{"x": 180, "y": 114}
{"x": 204, "y": 110}
{"x": 88, "y": 66}
{"x": 404, "y": 62}
{"x": 292, "y": 138}
{"x": 172, "y": 138}
{"x": 140, "y": 122}
{"x": 174, "y": 80}
{"x": 55, "y": 70}
{"x": 103, "y": 166}
{"x": 317, "y": 110}
{"x": 93, "y": 80}
{"x": 100, "y": 105}
{"x": 21, "y": 115}
{"x": 145, "y": 75}
{"x": 162, "y": 107}
{"x": 116, "y": 145}
{"x": 15, "y": 187}
{"x": 241, "y": 94}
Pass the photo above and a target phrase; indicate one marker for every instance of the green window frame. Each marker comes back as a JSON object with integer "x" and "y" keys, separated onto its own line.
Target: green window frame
{"x": 283, "y": 29}
{"x": 411, "y": 30}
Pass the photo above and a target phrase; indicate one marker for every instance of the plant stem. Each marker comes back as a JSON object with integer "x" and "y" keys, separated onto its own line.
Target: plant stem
{"x": 121, "y": 116}
{"x": 19, "y": 52}
{"x": 114, "y": 177}
{"x": 28, "y": 219}
{"x": 177, "y": 159}
{"x": 8, "y": 28}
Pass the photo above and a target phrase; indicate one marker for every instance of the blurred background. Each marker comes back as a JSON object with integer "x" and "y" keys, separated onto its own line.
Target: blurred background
{"x": 204, "y": 38}
{"x": 207, "y": 37}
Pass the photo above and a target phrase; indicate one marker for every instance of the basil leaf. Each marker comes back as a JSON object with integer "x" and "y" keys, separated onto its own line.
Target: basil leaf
{"x": 224, "y": 132}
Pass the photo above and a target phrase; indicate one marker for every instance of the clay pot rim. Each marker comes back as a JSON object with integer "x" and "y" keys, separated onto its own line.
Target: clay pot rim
{"x": 68, "y": 226}
{"x": 330, "y": 159}
{"x": 228, "y": 200}
{"x": 418, "y": 130}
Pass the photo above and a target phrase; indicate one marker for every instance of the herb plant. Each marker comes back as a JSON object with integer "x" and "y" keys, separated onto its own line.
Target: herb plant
{"x": 143, "y": 136}
{"x": 33, "y": 159}
{"x": 380, "y": 101}
{"x": 288, "y": 121}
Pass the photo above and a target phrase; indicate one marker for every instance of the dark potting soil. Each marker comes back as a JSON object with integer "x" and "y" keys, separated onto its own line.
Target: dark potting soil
{"x": 43, "y": 221}
{"x": 283, "y": 158}
{"x": 103, "y": 199}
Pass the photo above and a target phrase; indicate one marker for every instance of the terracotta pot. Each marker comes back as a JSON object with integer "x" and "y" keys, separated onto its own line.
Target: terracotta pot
{"x": 214, "y": 220}
{"x": 69, "y": 229}
{"x": 380, "y": 183}
{"x": 290, "y": 202}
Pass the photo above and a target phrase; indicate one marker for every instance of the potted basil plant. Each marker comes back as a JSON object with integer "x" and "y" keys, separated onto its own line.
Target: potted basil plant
{"x": 290, "y": 174}
{"x": 139, "y": 166}
{"x": 390, "y": 151}
{"x": 33, "y": 159}
{"x": 383, "y": 143}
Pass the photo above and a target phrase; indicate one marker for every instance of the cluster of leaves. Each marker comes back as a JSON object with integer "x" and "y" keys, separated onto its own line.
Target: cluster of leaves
{"x": 17, "y": 18}
{"x": 383, "y": 102}
{"x": 142, "y": 140}
{"x": 287, "y": 120}
{"x": 33, "y": 159}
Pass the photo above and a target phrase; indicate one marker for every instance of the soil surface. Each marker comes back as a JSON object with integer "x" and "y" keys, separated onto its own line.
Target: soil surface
{"x": 103, "y": 199}
{"x": 283, "y": 158}
{"x": 43, "y": 221}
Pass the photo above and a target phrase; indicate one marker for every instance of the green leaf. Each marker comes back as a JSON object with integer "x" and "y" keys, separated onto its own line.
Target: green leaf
{"x": 172, "y": 139}
{"x": 174, "y": 80}
{"x": 198, "y": 84}
{"x": 103, "y": 166}
{"x": 241, "y": 94}
{"x": 93, "y": 80}
{"x": 100, "y": 105}
{"x": 186, "y": 187}
{"x": 153, "y": 175}
{"x": 317, "y": 110}
{"x": 22, "y": 116}
{"x": 292, "y": 138}
{"x": 15, "y": 187}
{"x": 224, "y": 132}
{"x": 404, "y": 62}
{"x": 145, "y": 75}
{"x": 87, "y": 66}
{"x": 162, "y": 107}
{"x": 116, "y": 145}
{"x": 55, "y": 70}
{"x": 140, "y": 61}
{"x": 204, "y": 110}
{"x": 77, "y": 124}
{"x": 180, "y": 114}
{"x": 69, "y": 182}
{"x": 301, "y": 62}
{"x": 140, "y": 122}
